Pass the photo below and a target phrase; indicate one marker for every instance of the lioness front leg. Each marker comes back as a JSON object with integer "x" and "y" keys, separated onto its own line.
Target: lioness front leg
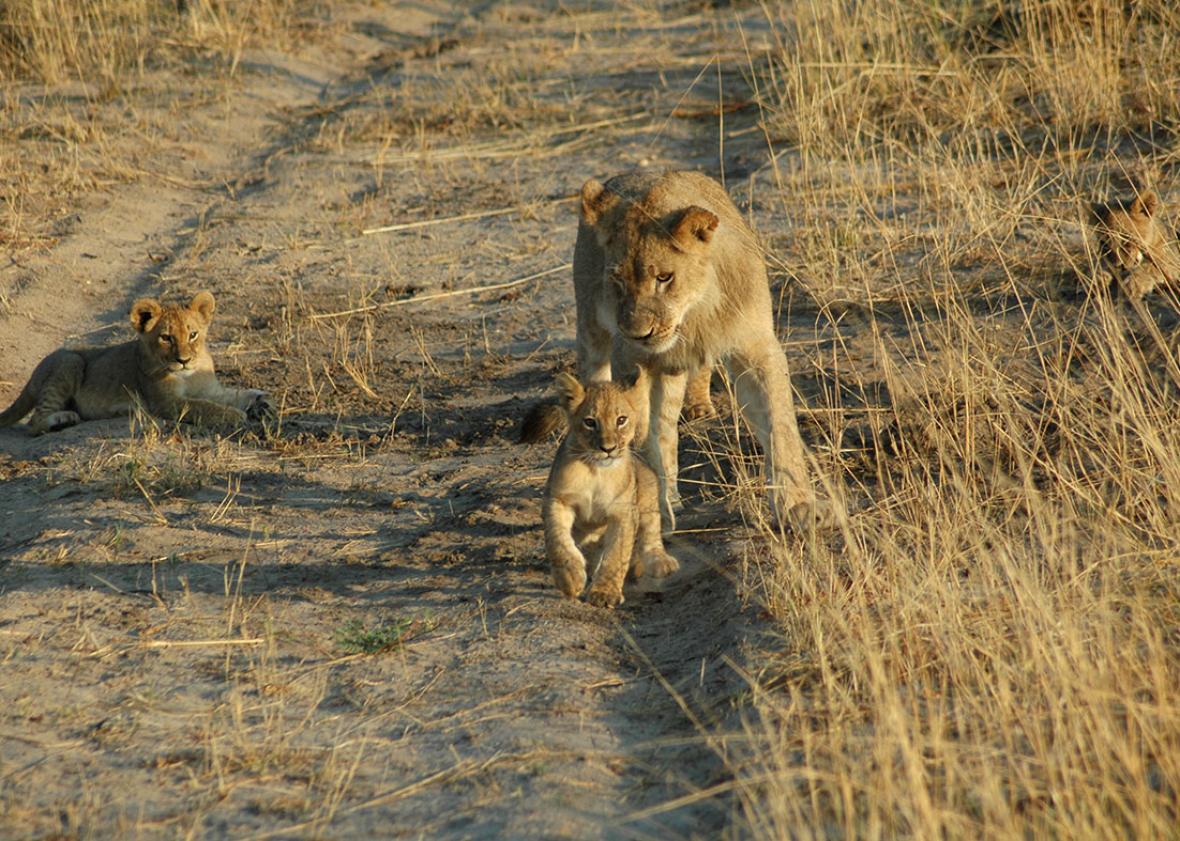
{"x": 650, "y": 557}
{"x": 565, "y": 558}
{"x": 607, "y": 588}
{"x": 662, "y": 442}
{"x": 764, "y": 397}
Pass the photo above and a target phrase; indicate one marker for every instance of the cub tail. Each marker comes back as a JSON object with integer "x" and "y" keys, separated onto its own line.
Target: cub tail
{"x": 17, "y": 411}
{"x": 542, "y": 420}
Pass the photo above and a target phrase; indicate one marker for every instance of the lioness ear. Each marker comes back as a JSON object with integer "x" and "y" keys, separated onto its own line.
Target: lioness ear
{"x": 145, "y": 313}
{"x": 596, "y": 200}
{"x": 696, "y": 225}
{"x": 203, "y": 304}
{"x": 569, "y": 390}
{"x": 1145, "y": 203}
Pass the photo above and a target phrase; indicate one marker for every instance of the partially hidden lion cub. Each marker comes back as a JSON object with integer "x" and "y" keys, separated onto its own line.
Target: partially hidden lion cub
{"x": 167, "y": 368}
{"x": 601, "y": 510}
{"x": 1136, "y": 247}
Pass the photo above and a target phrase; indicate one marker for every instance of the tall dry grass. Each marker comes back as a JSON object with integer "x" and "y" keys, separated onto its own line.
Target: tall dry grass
{"x": 53, "y": 41}
{"x": 989, "y": 647}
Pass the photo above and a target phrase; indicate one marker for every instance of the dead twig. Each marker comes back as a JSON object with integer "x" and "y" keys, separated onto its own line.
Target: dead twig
{"x": 475, "y": 290}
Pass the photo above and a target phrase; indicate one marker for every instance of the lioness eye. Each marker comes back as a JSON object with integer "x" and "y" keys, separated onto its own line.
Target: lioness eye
{"x": 622, "y": 421}
{"x": 589, "y": 423}
{"x": 666, "y": 277}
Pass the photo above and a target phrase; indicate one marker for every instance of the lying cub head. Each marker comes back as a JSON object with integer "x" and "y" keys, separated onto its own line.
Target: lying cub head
{"x": 657, "y": 264}
{"x": 603, "y": 417}
{"x": 1135, "y": 246}
{"x": 173, "y": 336}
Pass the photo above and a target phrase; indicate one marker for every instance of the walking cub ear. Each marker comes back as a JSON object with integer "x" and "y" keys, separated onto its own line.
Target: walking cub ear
{"x": 569, "y": 391}
{"x": 596, "y": 201}
{"x": 145, "y": 313}
{"x": 203, "y": 305}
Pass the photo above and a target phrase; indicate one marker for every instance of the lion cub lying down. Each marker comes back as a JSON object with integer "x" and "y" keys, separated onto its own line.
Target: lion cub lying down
{"x": 1135, "y": 246}
{"x": 167, "y": 368}
{"x": 602, "y": 505}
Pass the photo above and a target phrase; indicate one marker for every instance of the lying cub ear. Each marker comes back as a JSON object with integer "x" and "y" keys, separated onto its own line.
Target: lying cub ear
{"x": 145, "y": 313}
{"x": 1145, "y": 203}
{"x": 569, "y": 390}
{"x": 1099, "y": 213}
{"x": 596, "y": 201}
{"x": 696, "y": 225}
{"x": 203, "y": 304}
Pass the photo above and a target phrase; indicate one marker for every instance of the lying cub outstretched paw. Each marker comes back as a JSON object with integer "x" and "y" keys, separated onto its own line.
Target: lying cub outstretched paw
{"x": 605, "y": 598}
{"x": 261, "y": 410}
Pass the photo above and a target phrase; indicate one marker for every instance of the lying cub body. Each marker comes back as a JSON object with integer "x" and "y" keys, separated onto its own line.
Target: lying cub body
{"x": 602, "y": 508}
{"x": 167, "y": 368}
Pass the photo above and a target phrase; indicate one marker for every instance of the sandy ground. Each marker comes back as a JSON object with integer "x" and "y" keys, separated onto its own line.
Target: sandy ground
{"x": 175, "y": 608}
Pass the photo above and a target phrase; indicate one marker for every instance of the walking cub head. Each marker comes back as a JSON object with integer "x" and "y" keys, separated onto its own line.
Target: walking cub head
{"x": 173, "y": 336}
{"x": 603, "y": 418}
{"x": 657, "y": 263}
{"x": 1134, "y": 245}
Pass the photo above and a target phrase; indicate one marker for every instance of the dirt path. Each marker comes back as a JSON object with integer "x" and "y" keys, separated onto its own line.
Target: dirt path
{"x": 181, "y": 617}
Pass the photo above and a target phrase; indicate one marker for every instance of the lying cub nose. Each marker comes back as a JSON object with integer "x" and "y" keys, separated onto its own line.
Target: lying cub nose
{"x": 642, "y": 337}
{"x": 608, "y": 449}
{"x": 184, "y": 360}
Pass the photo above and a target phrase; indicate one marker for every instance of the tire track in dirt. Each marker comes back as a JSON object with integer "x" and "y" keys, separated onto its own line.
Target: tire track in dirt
{"x": 394, "y": 499}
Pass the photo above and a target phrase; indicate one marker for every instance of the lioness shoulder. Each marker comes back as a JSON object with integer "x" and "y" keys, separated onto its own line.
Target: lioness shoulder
{"x": 167, "y": 368}
{"x": 601, "y": 508}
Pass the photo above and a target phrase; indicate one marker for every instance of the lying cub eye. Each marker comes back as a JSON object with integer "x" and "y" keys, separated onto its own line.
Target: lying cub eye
{"x": 666, "y": 277}
{"x": 589, "y": 423}
{"x": 192, "y": 336}
{"x": 166, "y": 338}
{"x": 622, "y": 421}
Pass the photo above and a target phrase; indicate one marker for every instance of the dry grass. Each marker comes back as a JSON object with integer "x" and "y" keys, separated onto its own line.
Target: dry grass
{"x": 988, "y": 648}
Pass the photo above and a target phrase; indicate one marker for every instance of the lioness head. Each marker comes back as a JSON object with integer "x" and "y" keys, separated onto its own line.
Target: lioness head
{"x": 657, "y": 264}
{"x": 173, "y": 336}
{"x": 602, "y": 417}
{"x": 1134, "y": 245}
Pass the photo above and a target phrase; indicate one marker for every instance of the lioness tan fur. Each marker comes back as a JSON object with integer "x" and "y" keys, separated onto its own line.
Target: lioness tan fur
{"x": 1136, "y": 248}
{"x": 167, "y": 368}
{"x": 667, "y": 273}
{"x": 601, "y": 509}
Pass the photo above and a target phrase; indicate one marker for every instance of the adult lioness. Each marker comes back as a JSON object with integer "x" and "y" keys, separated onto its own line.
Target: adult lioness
{"x": 1135, "y": 246}
{"x": 667, "y": 272}
{"x": 167, "y": 368}
{"x": 601, "y": 510}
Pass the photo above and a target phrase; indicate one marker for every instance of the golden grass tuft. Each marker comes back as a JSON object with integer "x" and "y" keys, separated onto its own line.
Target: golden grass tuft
{"x": 989, "y": 647}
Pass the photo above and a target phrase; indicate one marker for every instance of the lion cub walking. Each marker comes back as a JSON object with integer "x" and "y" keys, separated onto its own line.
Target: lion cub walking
{"x": 602, "y": 508}
{"x": 167, "y": 368}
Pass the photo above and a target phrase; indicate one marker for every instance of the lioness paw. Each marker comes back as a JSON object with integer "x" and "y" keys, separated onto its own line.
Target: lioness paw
{"x": 659, "y": 564}
{"x": 608, "y": 598}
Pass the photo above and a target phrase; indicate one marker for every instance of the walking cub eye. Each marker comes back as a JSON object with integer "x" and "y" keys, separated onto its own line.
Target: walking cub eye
{"x": 622, "y": 421}
{"x": 589, "y": 423}
{"x": 666, "y": 277}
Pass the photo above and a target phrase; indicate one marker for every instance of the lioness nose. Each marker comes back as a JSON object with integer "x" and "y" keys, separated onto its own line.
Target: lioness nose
{"x": 643, "y": 336}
